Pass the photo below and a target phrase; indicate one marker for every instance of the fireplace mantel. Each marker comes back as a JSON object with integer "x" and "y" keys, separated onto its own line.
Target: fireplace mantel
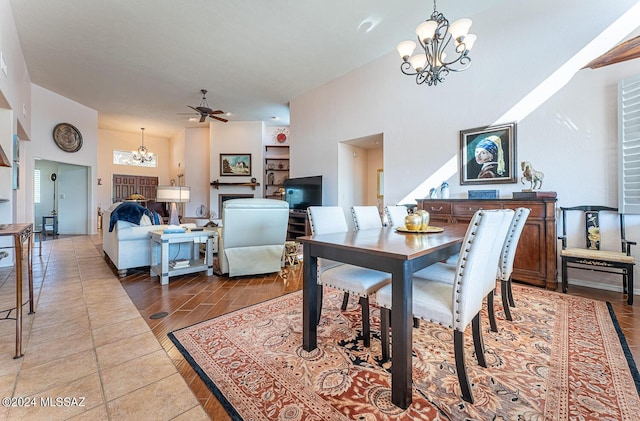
{"x": 216, "y": 184}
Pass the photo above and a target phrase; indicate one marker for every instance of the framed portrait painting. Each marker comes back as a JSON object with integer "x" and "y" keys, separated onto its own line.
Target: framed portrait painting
{"x": 235, "y": 164}
{"x": 488, "y": 155}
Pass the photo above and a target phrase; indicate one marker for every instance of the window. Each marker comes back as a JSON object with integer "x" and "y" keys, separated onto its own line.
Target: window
{"x": 629, "y": 145}
{"x": 36, "y": 185}
{"x": 126, "y": 158}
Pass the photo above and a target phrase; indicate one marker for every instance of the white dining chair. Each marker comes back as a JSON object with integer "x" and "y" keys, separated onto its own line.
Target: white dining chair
{"x": 396, "y": 214}
{"x": 350, "y": 279}
{"x": 445, "y": 272}
{"x": 366, "y": 217}
{"x": 458, "y": 304}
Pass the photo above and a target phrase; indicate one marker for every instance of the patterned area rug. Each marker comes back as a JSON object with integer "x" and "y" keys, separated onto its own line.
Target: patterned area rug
{"x": 561, "y": 358}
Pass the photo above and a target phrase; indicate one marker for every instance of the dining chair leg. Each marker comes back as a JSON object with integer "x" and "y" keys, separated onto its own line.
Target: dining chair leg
{"x": 366, "y": 326}
{"x": 385, "y": 324}
{"x": 463, "y": 379}
{"x": 512, "y": 302}
{"x": 319, "y": 304}
{"x": 477, "y": 341}
{"x": 630, "y": 285}
{"x": 505, "y": 299}
{"x": 491, "y": 311}
{"x": 565, "y": 282}
{"x": 345, "y": 301}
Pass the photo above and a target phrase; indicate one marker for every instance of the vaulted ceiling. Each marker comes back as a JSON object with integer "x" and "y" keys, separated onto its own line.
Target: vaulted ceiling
{"x": 140, "y": 63}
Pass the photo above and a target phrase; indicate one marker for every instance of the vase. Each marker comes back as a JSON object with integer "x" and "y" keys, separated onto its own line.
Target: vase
{"x": 413, "y": 222}
{"x": 444, "y": 190}
{"x": 424, "y": 219}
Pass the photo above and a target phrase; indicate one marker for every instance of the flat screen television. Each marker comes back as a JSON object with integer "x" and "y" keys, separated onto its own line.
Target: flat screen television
{"x": 303, "y": 192}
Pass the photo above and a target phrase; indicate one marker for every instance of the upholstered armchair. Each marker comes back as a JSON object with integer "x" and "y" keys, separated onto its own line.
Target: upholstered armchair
{"x": 251, "y": 239}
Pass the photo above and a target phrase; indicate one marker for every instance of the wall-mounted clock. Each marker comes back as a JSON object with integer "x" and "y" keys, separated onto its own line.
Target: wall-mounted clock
{"x": 67, "y": 137}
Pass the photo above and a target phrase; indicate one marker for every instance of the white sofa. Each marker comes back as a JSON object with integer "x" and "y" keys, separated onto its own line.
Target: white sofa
{"x": 251, "y": 239}
{"x": 128, "y": 245}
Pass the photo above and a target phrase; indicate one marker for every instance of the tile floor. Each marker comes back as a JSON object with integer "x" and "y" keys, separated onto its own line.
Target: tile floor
{"x": 91, "y": 336}
{"x": 86, "y": 341}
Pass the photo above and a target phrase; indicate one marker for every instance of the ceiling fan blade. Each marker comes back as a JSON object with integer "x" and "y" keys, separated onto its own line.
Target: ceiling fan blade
{"x": 193, "y": 108}
{"x": 203, "y": 117}
{"x": 216, "y": 112}
{"x": 218, "y": 118}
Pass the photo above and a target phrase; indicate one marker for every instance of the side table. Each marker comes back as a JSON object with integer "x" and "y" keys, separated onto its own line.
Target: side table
{"x": 160, "y": 262}
{"x": 50, "y": 225}
{"x": 20, "y": 234}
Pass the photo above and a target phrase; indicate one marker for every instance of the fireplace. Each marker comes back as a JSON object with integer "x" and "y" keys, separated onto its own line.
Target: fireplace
{"x": 224, "y": 197}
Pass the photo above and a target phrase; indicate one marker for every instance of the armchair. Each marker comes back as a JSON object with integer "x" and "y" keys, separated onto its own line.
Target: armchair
{"x": 252, "y": 237}
{"x": 590, "y": 256}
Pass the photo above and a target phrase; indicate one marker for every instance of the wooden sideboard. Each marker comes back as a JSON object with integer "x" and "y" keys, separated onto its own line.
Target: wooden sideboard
{"x": 535, "y": 262}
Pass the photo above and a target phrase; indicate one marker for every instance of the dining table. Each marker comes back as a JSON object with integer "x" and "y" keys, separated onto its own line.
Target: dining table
{"x": 389, "y": 250}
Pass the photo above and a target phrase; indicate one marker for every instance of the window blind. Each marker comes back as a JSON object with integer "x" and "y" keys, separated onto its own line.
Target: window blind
{"x": 629, "y": 145}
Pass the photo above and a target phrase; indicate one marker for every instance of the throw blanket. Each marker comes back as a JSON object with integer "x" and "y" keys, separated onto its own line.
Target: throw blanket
{"x": 130, "y": 212}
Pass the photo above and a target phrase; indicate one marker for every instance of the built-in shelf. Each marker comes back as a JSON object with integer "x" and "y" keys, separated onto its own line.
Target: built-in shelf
{"x": 216, "y": 184}
{"x": 276, "y": 169}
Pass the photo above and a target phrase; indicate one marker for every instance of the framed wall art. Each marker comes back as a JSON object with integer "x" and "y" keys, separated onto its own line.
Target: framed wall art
{"x": 235, "y": 164}
{"x": 488, "y": 155}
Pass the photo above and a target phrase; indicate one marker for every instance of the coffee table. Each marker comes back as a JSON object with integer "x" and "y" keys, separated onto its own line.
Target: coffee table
{"x": 161, "y": 262}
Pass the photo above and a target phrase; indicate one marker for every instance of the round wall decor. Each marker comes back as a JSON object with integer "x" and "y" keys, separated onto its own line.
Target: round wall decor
{"x": 67, "y": 137}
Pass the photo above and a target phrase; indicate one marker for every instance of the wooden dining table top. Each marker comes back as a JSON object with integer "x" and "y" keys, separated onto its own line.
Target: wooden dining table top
{"x": 388, "y": 242}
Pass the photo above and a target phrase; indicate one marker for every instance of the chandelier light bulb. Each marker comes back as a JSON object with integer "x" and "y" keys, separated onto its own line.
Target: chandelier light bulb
{"x": 426, "y": 30}
{"x": 418, "y": 61}
{"x": 405, "y": 49}
{"x": 460, "y": 28}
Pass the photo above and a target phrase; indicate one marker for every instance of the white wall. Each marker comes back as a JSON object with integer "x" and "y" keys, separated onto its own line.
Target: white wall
{"x": 196, "y": 170}
{"x": 110, "y": 140}
{"x": 421, "y": 124}
{"x": 238, "y": 138}
{"x": 51, "y": 109}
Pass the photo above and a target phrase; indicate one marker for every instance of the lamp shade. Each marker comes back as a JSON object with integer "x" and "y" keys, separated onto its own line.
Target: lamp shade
{"x": 175, "y": 194}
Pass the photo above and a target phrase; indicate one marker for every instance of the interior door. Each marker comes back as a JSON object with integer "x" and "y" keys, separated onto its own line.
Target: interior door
{"x": 73, "y": 191}
{"x": 126, "y": 185}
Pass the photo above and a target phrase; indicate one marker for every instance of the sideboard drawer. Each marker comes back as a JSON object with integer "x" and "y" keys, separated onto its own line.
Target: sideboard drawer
{"x": 437, "y": 208}
{"x": 469, "y": 208}
{"x": 538, "y": 210}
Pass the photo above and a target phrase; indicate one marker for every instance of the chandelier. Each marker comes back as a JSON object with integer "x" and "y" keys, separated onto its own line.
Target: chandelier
{"x": 435, "y": 36}
{"x": 142, "y": 155}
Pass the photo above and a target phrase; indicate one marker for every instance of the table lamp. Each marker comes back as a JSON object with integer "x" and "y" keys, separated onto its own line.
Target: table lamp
{"x": 173, "y": 195}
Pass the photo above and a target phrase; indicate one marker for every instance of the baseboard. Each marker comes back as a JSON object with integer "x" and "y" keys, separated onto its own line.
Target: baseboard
{"x": 597, "y": 285}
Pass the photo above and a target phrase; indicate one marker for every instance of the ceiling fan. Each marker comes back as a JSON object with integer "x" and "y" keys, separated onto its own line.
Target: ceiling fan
{"x": 204, "y": 110}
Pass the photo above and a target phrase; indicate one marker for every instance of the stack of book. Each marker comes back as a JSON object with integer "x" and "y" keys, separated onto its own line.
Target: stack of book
{"x": 180, "y": 263}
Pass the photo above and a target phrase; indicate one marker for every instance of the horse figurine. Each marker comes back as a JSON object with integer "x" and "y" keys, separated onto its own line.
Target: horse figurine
{"x": 531, "y": 175}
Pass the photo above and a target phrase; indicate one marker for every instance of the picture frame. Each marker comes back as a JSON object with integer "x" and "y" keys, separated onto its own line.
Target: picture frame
{"x": 496, "y": 161}
{"x": 235, "y": 164}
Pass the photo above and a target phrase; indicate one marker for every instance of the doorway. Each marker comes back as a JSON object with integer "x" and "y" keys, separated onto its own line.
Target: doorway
{"x": 62, "y": 189}
{"x": 360, "y": 164}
